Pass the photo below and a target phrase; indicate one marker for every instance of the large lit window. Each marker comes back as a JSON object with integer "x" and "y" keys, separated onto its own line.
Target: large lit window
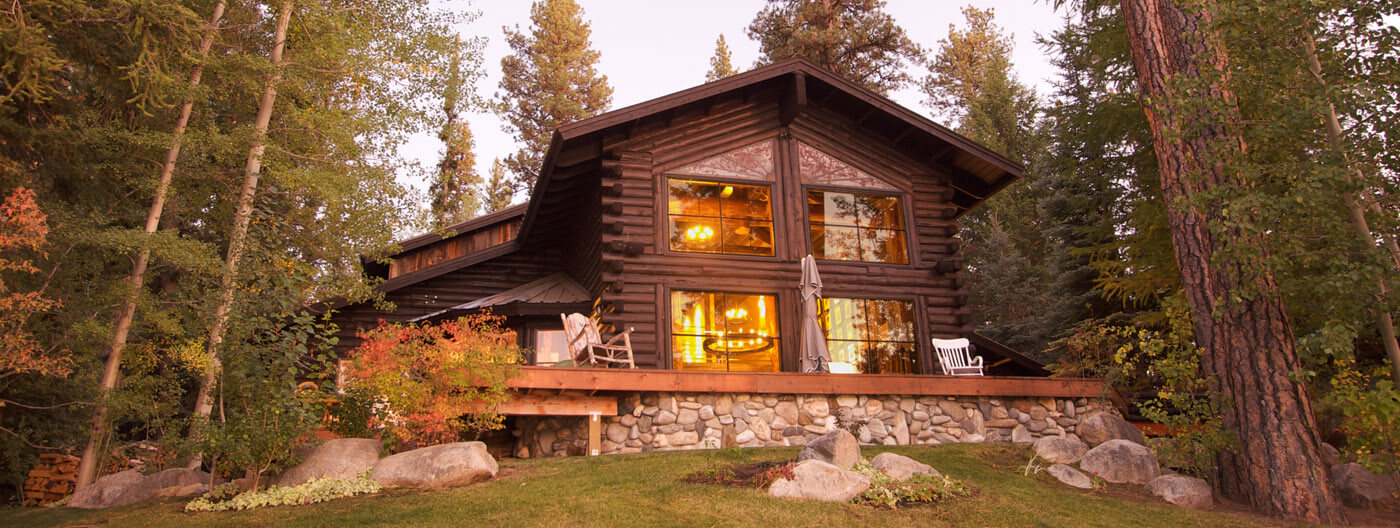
{"x": 876, "y": 336}
{"x": 855, "y": 226}
{"x": 724, "y": 331}
{"x": 710, "y": 217}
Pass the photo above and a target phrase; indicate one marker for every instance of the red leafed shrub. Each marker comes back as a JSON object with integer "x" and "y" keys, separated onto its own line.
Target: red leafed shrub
{"x": 23, "y": 231}
{"x": 433, "y": 381}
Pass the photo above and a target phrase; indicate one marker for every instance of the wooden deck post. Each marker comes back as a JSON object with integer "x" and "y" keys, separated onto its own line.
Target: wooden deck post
{"x": 595, "y": 433}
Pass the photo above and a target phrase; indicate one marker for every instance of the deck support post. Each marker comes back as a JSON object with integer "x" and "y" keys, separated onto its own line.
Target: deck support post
{"x": 595, "y": 433}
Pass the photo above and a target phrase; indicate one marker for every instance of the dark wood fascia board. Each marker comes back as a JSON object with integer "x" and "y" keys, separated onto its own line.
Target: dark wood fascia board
{"x": 429, "y": 272}
{"x": 987, "y": 344}
{"x": 473, "y": 224}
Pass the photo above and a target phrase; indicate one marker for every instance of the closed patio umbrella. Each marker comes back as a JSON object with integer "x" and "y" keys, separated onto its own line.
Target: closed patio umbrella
{"x": 814, "y": 353}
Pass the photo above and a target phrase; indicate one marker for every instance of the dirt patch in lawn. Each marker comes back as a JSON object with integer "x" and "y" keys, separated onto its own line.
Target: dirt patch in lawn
{"x": 754, "y": 475}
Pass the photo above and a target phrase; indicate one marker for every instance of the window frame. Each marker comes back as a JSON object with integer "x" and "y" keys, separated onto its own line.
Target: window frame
{"x": 910, "y": 247}
{"x": 918, "y": 321}
{"x": 663, "y": 230}
{"x": 668, "y": 336}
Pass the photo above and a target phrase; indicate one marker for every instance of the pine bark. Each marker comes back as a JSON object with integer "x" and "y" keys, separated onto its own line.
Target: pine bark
{"x": 204, "y": 402}
{"x": 1247, "y": 344}
{"x": 87, "y": 469}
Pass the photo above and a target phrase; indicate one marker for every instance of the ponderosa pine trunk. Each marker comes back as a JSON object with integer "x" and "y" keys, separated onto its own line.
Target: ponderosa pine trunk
{"x": 1247, "y": 345}
{"x": 87, "y": 469}
{"x": 204, "y": 401}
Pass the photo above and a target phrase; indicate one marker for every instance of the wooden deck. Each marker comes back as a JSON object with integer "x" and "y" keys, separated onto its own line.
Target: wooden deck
{"x": 542, "y": 384}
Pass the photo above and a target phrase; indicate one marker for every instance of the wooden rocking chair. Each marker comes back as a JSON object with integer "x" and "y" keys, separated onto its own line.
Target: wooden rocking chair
{"x": 956, "y": 359}
{"x": 587, "y": 347}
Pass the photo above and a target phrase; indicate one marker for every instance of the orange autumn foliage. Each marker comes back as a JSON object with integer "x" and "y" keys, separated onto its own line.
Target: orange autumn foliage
{"x": 23, "y": 231}
{"x": 436, "y": 380}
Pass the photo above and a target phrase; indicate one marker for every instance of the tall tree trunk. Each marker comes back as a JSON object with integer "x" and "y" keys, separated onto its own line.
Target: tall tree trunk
{"x": 1384, "y": 323}
{"x": 87, "y": 469}
{"x": 204, "y": 402}
{"x": 1247, "y": 344}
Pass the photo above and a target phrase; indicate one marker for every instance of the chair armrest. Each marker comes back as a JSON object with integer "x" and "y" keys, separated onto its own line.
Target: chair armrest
{"x": 976, "y": 361}
{"x": 620, "y": 335}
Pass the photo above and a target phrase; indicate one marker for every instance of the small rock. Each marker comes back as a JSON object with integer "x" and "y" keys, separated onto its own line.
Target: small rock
{"x": 1070, "y": 476}
{"x": 818, "y": 480}
{"x": 1330, "y": 455}
{"x": 1058, "y": 450}
{"x": 952, "y": 410}
{"x": 665, "y": 418}
{"x": 1121, "y": 461}
{"x": 838, "y": 448}
{"x": 1020, "y": 435}
{"x": 787, "y": 410}
{"x": 900, "y": 467}
{"x": 744, "y": 437}
{"x": 617, "y": 433}
{"x": 1103, "y": 427}
{"x": 1187, "y": 492}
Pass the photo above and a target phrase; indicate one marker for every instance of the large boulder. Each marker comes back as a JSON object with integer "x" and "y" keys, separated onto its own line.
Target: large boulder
{"x": 174, "y": 482}
{"x": 110, "y": 491}
{"x": 1121, "y": 462}
{"x": 837, "y": 448}
{"x": 342, "y": 458}
{"x": 1187, "y": 492}
{"x": 1070, "y": 476}
{"x": 1057, "y": 450}
{"x": 1360, "y": 488}
{"x": 436, "y": 467}
{"x": 818, "y": 480}
{"x": 900, "y": 467}
{"x": 1103, "y": 427}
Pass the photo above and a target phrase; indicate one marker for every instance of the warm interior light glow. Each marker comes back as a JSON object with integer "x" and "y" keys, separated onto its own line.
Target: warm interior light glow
{"x": 727, "y": 192}
{"x": 737, "y": 313}
{"x": 700, "y": 232}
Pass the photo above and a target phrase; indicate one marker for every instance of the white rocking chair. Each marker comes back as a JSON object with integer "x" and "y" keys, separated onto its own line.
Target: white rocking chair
{"x": 956, "y": 359}
{"x": 586, "y": 346}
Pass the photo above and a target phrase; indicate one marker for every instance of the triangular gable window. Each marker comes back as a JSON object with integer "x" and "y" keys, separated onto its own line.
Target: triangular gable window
{"x": 754, "y": 162}
{"x": 820, "y": 169}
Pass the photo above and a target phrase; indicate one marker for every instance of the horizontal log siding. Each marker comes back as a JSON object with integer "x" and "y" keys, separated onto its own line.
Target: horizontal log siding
{"x": 634, "y": 285}
{"x": 451, "y": 289}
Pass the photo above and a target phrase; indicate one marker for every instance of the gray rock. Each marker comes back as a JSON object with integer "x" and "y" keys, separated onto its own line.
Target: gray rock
{"x": 1060, "y": 450}
{"x": 952, "y": 409}
{"x": 818, "y": 480}
{"x": 1121, "y": 461}
{"x": 900, "y": 467}
{"x": 617, "y": 432}
{"x": 787, "y": 411}
{"x": 1187, "y": 492}
{"x": 1020, "y": 435}
{"x": 109, "y": 491}
{"x": 1070, "y": 476}
{"x": 838, "y": 448}
{"x": 1330, "y": 455}
{"x": 437, "y": 466}
{"x": 342, "y": 458}
{"x": 1358, "y": 487}
{"x": 1103, "y": 427}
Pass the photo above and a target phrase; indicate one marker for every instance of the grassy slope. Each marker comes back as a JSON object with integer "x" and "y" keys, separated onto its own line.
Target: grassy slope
{"x": 646, "y": 490}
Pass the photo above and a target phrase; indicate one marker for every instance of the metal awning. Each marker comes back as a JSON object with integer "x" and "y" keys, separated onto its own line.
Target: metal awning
{"x": 556, "y": 289}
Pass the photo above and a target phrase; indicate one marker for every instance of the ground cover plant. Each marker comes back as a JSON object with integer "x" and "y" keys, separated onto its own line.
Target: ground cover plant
{"x": 650, "y": 489}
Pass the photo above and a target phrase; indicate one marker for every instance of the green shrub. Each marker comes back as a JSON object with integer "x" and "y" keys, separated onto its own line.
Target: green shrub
{"x": 311, "y": 492}
{"x": 887, "y": 492}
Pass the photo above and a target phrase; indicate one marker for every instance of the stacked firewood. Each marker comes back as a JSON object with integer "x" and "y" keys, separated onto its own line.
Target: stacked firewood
{"x": 51, "y": 479}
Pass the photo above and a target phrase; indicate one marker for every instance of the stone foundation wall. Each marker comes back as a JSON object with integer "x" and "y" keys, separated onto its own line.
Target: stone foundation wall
{"x": 651, "y": 421}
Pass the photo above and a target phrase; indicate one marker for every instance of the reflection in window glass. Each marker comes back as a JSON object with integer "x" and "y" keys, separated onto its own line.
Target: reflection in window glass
{"x": 551, "y": 347}
{"x": 708, "y": 217}
{"x": 724, "y": 331}
{"x": 876, "y": 336}
{"x": 852, "y": 226}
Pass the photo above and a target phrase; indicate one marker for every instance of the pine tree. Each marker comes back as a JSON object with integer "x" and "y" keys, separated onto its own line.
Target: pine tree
{"x": 720, "y": 64}
{"x": 856, "y": 39}
{"x": 497, "y": 191}
{"x": 453, "y": 188}
{"x": 549, "y": 81}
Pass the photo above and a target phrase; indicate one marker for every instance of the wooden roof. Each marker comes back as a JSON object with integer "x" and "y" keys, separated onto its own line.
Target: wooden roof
{"x": 554, "y": 289}
{"x": 977, "y": 172}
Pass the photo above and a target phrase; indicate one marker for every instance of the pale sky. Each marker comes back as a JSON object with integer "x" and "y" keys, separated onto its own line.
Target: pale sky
{"x": 653, "y": 48}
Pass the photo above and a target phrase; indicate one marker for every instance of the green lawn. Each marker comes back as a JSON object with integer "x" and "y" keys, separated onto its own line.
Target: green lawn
{"x": 647, "y": 490}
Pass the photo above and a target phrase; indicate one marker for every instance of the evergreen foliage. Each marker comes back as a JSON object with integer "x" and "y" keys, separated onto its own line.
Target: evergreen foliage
{"x": 721, "y": 65}
{"x": 549, "y": 81}
{"x": 497, "y": 192}
{"x": 454, "y": 187}
{"x": 856, "y": 39}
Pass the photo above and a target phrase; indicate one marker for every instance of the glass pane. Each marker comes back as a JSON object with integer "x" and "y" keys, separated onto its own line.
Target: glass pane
{"x": 890, "y": 320}
{"x": 694, "y": 198}
{"x": 716, "y": 331}
{"x": 689, "y": 233}
{"x": 842, "y": 319}
{"x": 883, "y": 245}
{"x": 550, "y": 347}
{"x": 745, "y": 201}
{"x": 692, "y": 322}
{"x": 851, "y": 352}
{"x": 835, "y": 243}
{"x": 752, "y": 162}
{"x": 747, "y": 237}
{"x": 881, "y": 211}
{"x": 832, "y": 208}
{"x": 891, "y": 358}
{"x": 689, "y": 353}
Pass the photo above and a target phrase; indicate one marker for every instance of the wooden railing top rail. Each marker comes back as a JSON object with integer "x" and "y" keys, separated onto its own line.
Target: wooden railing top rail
{"x": 624, "y": 380}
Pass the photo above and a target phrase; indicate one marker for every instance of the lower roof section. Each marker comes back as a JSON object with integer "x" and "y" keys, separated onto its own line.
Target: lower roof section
{"x": 594, "y": 380}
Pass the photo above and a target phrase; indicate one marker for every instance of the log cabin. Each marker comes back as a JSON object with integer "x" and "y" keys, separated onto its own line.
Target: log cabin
{"x": 685, "y": 218}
